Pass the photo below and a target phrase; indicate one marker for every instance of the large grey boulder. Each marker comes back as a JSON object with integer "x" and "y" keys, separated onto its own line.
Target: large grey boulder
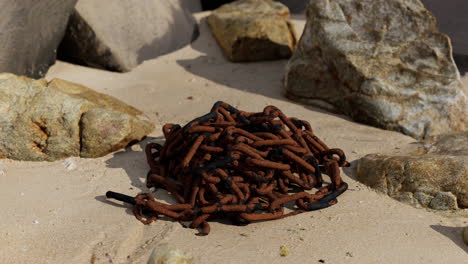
{"x": 50, "y": 121}
{"x": 436, "y": 178}
{"x": 381, "y": 62}
{"x": 119, "y": 35}
{"x": 30, "y": 32}
{"x": 253, "y": 30}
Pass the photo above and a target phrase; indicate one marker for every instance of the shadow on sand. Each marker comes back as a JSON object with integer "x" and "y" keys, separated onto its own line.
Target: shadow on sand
{"x": 252, "y": 77}
{"x": 452, "y": 233}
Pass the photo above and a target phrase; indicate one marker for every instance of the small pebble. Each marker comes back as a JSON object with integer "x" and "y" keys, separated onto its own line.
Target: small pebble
{"x": 284, "y": 251}
{"x": 321, "y": 261}
{"x": 36, "y": 222}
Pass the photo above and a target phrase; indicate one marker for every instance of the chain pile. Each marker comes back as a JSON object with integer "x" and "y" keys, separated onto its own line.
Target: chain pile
{"x": 238, "y": 165}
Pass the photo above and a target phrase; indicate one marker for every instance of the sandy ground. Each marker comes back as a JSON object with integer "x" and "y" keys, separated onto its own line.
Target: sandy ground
{"x": 56, "y": 212}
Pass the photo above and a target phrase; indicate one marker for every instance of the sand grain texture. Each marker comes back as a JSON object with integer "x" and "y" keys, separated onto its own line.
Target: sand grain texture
{"x": 51, "y": 214}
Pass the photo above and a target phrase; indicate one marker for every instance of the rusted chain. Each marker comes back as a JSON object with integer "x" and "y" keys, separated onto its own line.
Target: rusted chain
{"x": 238, "y": 165}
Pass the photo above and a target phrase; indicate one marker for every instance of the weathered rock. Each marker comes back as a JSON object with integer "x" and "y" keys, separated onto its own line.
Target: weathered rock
{"x": 424, "y": 199}
{"x": 167, "y": 254}
{"x": 253, "y": 30}
{"x": 437, "y": 179}
{"x": 444, "y": 201}
{"x": 30, "y": 32}
{"x": 295, "y": 6}
{"x": 50, "y": 121}
{"x": 381, "y": 62}
{"x": 119, "y": 35}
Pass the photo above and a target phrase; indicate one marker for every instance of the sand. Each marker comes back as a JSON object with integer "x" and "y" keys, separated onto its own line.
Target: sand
{"x": 56, "y": 212}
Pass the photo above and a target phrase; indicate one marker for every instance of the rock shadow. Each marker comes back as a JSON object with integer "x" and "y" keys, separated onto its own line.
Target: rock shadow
{"x": 452, "y": 233}
{"x": 133, "y": 160}
{"x": 252, "y": 77}
{"x": 351, "y": 170}
{"x": 462, "y": 63}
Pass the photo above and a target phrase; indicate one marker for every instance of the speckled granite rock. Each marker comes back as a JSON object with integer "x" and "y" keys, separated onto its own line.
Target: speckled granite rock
{"x": 119, "y": 35}
{"x": 50, "y": 121}
{"x": 30, "y": 32}
{"x": 253, "y": 30}
{"x": 437, "y": 179}
{"x": 381, "y": 62}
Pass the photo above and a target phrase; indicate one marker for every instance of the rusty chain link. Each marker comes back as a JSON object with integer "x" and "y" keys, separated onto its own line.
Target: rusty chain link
{"x": 238, "y": 165}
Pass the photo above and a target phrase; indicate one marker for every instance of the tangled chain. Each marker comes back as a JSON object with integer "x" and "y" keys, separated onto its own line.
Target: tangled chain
{"x": 238, "y": 165}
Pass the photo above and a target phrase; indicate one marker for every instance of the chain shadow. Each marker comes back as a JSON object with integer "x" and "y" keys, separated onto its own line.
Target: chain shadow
{"x": 133, "y": 160}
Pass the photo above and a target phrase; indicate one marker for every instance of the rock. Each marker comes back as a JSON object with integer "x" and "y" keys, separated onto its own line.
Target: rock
{"x": 381, "y": 62}
{"x": 119, "y": 35}
{"x": 423, "y": 198}
{"x": 295, "y": 6}
{"x": 253, "y": 30}
{"x": 465, "y": 235}
{"x": 437, "y": 179}
{"x": 30, "y": 32}
{"x": 406, "y": 197}
{"x": 444, "y": 201}
{"x": 167, "y": 254}
{"x": 59, "y": 119}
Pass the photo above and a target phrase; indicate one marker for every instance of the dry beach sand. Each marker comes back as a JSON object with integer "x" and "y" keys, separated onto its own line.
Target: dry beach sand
{"x": 57, "y": 213}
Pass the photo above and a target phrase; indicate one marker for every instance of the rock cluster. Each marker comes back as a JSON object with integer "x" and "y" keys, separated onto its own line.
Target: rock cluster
{"x": 253, "y": 30}
{"x": 437, "y": 179}
{"x": 50, "y": 121}
{"x": 381, "y": 62}
{"x": 30, "y": 32}
{"x": 119, "y": 35}
{"x": 107, "y": 34}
